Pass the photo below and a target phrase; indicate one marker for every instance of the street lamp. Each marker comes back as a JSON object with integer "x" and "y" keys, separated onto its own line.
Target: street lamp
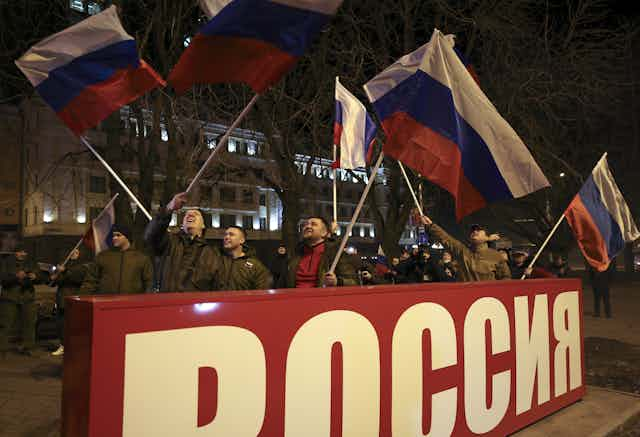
{"x": 562, "y": 174}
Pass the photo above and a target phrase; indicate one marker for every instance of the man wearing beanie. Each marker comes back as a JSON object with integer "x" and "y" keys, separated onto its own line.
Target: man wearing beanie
{"x": 188, "y": 263}
{"x": 119, "y": 270}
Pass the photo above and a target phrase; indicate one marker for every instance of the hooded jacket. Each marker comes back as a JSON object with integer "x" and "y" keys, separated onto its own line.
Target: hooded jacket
{"x": 243, "y": 273}
{"x": 118, "y": 272}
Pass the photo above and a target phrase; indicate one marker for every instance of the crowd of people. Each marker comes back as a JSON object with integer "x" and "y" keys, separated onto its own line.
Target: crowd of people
{"x": 185, "y": 261}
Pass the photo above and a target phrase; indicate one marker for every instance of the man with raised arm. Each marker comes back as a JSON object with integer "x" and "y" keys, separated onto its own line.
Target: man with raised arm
{"x": 476, "y": 262}
{"x": 187, "y": 261}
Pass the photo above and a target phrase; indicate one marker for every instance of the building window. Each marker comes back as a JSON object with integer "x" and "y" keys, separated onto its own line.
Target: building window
{"x": 252, "y": 148}
{"x": 77, "y": 5}
{"x": 26, "y": 216}
{"x": 97, "y": 184}
{"x": 263, "y": 200}
{"x": 247, "y": 196}
{"x": 231, "y": 145}
{"x": 93, "y": 8}
{"x": 241, "y": 147}
{"x": 247, "y": 222}
{"x": 211, "y": 142}
{"x": 228, "y": 194}
{"x": 263, "y": 223}
{"x": 164, "y": 135}
{"x": 35, "y": 215}
{"x": 227, "y": 220}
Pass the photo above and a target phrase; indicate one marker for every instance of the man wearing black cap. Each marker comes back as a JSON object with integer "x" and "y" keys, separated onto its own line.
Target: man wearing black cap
{"x": 18, "y": 276}
{"x": 119, "y": 270}
{"x": 187, "y": 261}
{"x": 477, "y": 262}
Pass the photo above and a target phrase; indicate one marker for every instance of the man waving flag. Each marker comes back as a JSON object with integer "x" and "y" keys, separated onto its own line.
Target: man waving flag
{"x": 251, "y": 41}
{"x": 600, "y": 218}
{"x": 88, "y": 70}
{"x": 439, "y": 122}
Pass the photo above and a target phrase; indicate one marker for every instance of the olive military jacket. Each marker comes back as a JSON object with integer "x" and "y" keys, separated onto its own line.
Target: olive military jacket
{"x": 482, "y": 264}
{"x": 119, "y": 272}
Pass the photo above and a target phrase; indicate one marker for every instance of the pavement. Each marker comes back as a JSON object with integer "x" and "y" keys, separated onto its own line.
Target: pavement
{"x": 30, "y": 387}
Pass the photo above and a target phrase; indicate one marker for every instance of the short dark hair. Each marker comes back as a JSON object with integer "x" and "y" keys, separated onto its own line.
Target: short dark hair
{"x": 323, "y": 220}
{"x": 240, "y": 228}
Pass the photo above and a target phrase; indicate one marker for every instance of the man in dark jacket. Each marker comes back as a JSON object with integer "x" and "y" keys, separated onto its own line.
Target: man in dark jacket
{"x": 68, "y": 278}
{"x": 477, "y": 262}
{"x": 309, "y": 265}
{"x": 17, "y": 300}
{"x": 119, "y": 270}
{"x": 600, "y": 282}
{"x": 188, "y": 262}
{"x": 240, "y": 269}
{"x": 279, "y": 263}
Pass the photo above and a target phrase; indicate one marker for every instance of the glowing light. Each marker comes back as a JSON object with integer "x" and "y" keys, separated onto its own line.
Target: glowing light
{"x": 205, "y": 307}
{"x": 438, "y": 246}
{"x": 562, "y": 174}
{"x": 47, "y": 217}
{"x": 81, "y": 217}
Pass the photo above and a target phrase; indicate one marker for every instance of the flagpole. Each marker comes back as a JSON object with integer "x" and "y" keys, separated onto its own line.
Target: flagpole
{"x": 223, "y": 141}
{"x": 335, "y": 185}
{"x": 413, "y": 193}
{"x": 535, "y": 258}
{"x": 345, "y": 238}
{"x": 82, "y": 238}
{"x": 116, "y": 177}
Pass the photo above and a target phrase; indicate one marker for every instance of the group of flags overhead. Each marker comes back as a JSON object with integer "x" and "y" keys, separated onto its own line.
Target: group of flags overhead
{"x": 92, "y": 68}
{"x": 435, "y": 117}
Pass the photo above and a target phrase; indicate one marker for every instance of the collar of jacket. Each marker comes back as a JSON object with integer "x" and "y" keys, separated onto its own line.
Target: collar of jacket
{"x": 480, "y": 248}
{"x": 185, "y": 237}
{"x": 329, "y": 245}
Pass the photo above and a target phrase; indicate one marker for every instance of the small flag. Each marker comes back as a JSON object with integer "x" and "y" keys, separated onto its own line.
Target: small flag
{"x": 99, "y": 234}
{"x": 439, "y": 122}
{"x": 251, "y": 41}
{"x": 88, "y": 70}
{"x": 600, "y": 218}
{"x": 382, "y": 265}
{"x": 354, "y": 130}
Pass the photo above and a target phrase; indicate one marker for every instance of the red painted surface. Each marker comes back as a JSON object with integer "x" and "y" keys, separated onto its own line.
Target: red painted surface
{"x": 97, "y": 326}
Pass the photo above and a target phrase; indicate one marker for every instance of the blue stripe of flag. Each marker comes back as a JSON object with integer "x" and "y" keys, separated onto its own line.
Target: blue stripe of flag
{"x": 290, "y": 29}
{"x": 431, "y": 103}
{"x": 608, "y": 227}
{"x": 66, "y": 82}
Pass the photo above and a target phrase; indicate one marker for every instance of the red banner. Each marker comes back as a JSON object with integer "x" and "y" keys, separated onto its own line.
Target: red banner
{"x": 427, "y": 359}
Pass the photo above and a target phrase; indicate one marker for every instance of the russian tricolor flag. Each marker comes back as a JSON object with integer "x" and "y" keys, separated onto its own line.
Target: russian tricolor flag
{"x": 354, "y": 130}
{"x": 99, "y": 235}
{"x": 600, "y": 218}
{"x": 439, "y": 122}
{"x": 251, "y": 41}
{"x": 88, "y": 70}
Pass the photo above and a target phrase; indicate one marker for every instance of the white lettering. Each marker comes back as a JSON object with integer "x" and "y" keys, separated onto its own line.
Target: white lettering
{"x": 308, "y": 379}
{"x": 407, "y": 372}
{"x": 161, "y": 382}
{"x": 480, "y": 418}
{"x": 568, "y": 336}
